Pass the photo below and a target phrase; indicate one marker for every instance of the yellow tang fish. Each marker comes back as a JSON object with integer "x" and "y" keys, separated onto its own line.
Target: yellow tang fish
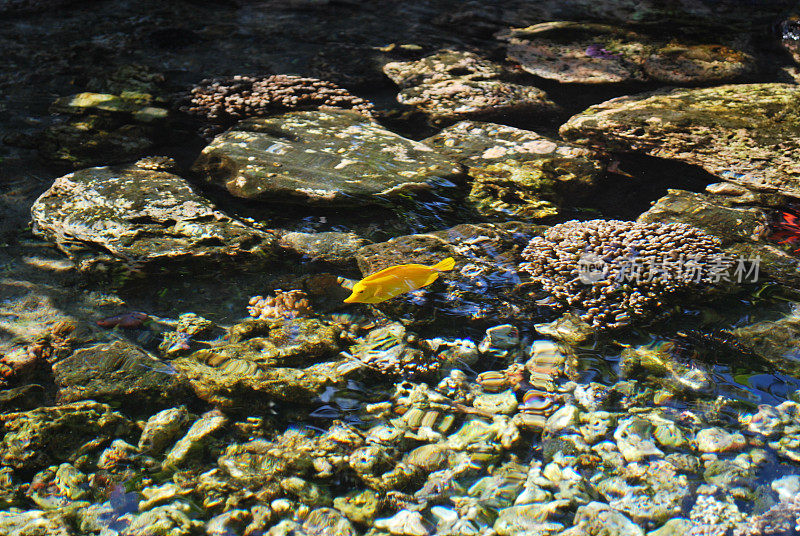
{"x": 391, "y": 282}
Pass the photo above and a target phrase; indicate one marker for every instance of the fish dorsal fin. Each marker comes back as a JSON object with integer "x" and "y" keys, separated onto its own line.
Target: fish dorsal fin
{"x": 445, "y": 265}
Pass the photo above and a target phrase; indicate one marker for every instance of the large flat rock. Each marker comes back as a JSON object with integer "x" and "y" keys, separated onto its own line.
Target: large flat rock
{"x": 747, "y": 134}
{"x": 119, "y": 373}
{"x": 322, "y": 158}
{"x": 134, "y": 216}
{"x": 584, "y": 53}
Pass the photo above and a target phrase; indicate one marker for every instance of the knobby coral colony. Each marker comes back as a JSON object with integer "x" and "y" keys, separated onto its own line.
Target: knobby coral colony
{"x": 787, "y": 230}
{"x": 285, "y": 304}
{"x": 630, "y": 259}
{"x": 224, "y": 101}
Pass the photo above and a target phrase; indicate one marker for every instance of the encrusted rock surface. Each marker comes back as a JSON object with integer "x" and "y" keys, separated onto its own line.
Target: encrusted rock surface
{"x": 322, "y": 158}
{"x": 479, "y": 99}
{"x": 517, "y": 173}
{"x": 133, "y": 216}
{"x": 742, "y": 230}
{"x": 40, "y": 437}
{"x": 745, "y": 134}
{"x": 588, "y": 53}
{"x": 443, "y": 65}
{"x": 118, "y": 372}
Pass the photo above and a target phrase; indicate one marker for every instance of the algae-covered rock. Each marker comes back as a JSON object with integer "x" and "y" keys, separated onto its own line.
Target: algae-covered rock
{"x": 359, "y": 506}
{"x": 294, "y": 342}
{"x": 529, "y": 190}
{"x": 298, "y": 452}
{"x": 775, "y": 341}
{"x": 478, "y": 144}
{"x": 140, "y": 216}
{"x": 518, "y": 173}
{"x": 162, "y": 428}
{"x": 746, "y": 134}
{"x": 51, "y": 435}
{"x": 588, "y": 53}
{"x": 443, "y": 65}
{"x": 479, "y": 99}
{"x": 326, "y": 158}
{"x": 118, "y": 372}
{"x": 18, "y": 522}
{"x": 598, "y": 519}
{"x": 480, "y": 287}
{"x": 175, "y": 519}
{"x": 104, "y": 129}
{"x": 650, "y": 495}
{"x": 196, "y": 437}
{"x": 331, "y": 247}
{"x": 240, "y": 383}
{"x": 325, "y": 521}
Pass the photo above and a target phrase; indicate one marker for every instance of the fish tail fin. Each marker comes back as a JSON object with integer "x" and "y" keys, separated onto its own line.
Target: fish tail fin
{"x": 445, "y": 265}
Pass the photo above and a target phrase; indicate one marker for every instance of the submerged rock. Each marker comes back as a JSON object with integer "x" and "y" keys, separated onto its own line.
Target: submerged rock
{"x": 296, "y": 453}
{"x": 741, "y": 229}
{"x": 237, "y": 376}
{"x": 775, "y": 341}
{"x": 118, "y": 372}
{"x": 443, "y": 65}
{"x": 718, "y": 440}
{"x": 459, "y": 85}
{"x": 478, "y": 144}
{"x": 196, "y": 437}
{"x": 479, "y": 99}
{"x": 104, "y": 129}
{"x": 330, "y": 247}
{"x": 51, "y": 435}
{"x": 290, "y": 342}
{"x": 161, "y": 429}
{"x": 743, "y": 133}
{"x": 324, "y": 158}
{"x": 133, "y": 216}
{"x": 34, "y": 523}
{"x": 598, "y": 519}
{"x": 518, "y": 173}
{"x": 174, "y": 519}
{"x": 588, "y": 53}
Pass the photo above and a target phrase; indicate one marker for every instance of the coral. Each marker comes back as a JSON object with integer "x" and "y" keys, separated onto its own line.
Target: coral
{"x": 285, "y": 304}
{"x": 224, "y": 101}
{"x": 620, "y": 271}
